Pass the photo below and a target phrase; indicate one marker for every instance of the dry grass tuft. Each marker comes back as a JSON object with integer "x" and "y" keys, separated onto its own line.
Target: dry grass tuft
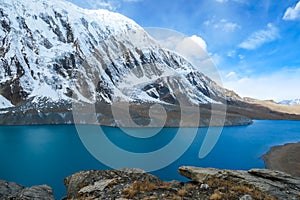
{"x": 150, "y": 198}
{"x": 190, "y": 186}
{"x": 175, "y": 197}
{"x": 228, "y": 189}
{"x": 138, "y": 187}
{"x": 181, "y": 193}
{"x": 242, "y": 188}
{"x": 216, "y": 196}
{"x": 165, "y": 185}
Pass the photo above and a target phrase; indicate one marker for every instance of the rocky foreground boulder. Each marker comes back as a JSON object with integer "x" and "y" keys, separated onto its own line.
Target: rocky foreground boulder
{"x": 258, "y": 183}
{"x": 14, "y": 191}
{"x": 206, "y": 183}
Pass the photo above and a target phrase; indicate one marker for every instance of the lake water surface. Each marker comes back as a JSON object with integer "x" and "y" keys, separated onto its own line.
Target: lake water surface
{"x": 32, "y": 155}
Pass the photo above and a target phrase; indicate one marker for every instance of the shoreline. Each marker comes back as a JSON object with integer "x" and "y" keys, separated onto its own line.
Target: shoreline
{"x": 106, "y": 118}
{"x": 284, "y": 158}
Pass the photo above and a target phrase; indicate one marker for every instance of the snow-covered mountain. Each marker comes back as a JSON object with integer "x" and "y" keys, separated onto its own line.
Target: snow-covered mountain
{"x": 290, "y": 102}
{"x": 54, "y": 51}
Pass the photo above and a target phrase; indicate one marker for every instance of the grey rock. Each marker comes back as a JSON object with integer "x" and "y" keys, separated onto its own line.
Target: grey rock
{"x": 104, "y": 184}
{"x": 97, "y": 186}
{"x": 41, "y": 192}
{"x": 246, "y": 197}
{"x": 276, "y": 176}
{"x": 198, "y": 174}
{"x": 274, "y": 183}
{"x": 11, "y": 190}
{"x": 204, "y": 186}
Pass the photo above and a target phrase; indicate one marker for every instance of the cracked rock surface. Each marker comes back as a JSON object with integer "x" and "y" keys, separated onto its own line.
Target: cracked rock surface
{"x": 11, "y": 190}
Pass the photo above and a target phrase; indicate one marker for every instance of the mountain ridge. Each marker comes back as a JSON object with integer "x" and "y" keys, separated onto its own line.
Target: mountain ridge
{"x": 290, "y": 102}
{"x": 54, "y": 54}
{"x": 59, "y": 41}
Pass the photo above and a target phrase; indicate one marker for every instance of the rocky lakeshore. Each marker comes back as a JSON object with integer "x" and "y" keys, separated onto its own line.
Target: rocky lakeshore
{"x": 206, "y": 183}
{"x": 284, "y": 158}
{"x": 101, "y": 114}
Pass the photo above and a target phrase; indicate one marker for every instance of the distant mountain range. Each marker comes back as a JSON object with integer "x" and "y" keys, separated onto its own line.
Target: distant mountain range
{"x": 290, "y": 102}
{"x": 54, "y": 53}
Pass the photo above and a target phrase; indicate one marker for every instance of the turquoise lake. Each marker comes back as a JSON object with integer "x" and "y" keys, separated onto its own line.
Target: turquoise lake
{"x": 33, "y": 155}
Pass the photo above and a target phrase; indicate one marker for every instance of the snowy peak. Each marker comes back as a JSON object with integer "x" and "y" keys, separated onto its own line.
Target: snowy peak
{"x": 40, "y": 43}
{"x": 290, "y": 102}
{"x": 54, "y": 51}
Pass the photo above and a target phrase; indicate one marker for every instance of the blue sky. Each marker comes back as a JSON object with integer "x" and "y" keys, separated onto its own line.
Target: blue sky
{"x": 254, "y": 43}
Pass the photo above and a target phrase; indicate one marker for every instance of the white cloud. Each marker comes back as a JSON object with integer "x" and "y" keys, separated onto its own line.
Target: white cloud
{"x": 192, "y": 48}
{"x": 231, "y": 54}
{"x": 231, "y": 75}
{"x": 241, "y": 57}
{"x": 207, "y": 22}
{"x": 258, "y": 38}
{"x": 111, "y": 5}
{"x": 276, "y": 86}
{"x": 198, "y": 40}
{"x": 223, "y": 25}
{"x": 292, "y": 13}
{"x": 189, "y": 47}
{"x": 230, "y": 27}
